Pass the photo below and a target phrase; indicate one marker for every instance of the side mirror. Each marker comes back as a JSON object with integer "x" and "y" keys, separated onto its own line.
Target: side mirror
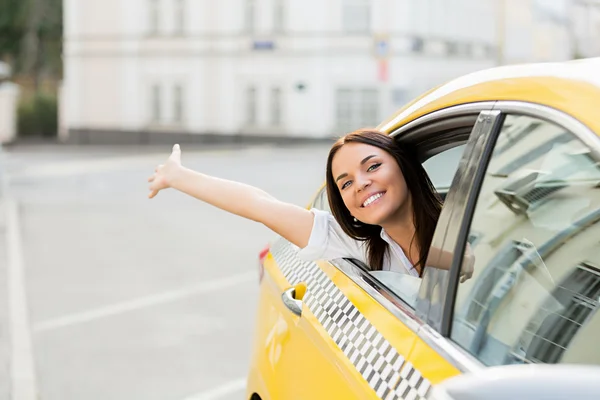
{"x": 534, "y": 381}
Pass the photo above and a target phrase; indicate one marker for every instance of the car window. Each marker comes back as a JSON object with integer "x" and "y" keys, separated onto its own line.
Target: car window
{"x": 535, "y": 237}
{"x": 441, "y": 169}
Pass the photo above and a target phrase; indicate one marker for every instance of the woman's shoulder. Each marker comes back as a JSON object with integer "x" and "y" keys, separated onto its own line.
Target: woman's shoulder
{"x": 328, "y": 240}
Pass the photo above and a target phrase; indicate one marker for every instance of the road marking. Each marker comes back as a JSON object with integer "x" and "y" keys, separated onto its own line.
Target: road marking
{"x": 218, "y": 392}
{"x": 22, "y": 366}
{"x": 143, "y": 302}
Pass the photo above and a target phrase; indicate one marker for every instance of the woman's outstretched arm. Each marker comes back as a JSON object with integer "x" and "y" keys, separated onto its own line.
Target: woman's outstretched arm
{"x": 292, "y": 222}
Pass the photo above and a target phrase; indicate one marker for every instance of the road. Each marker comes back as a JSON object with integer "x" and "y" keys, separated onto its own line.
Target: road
{"x": 115, "y": 296}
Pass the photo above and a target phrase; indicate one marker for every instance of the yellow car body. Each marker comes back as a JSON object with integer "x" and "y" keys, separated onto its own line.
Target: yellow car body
{"x": 354, "y": 338}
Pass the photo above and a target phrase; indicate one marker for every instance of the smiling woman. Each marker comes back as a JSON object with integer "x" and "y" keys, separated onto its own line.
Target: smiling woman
{"x": 373, "y": 198}
{"x": 383, "y": 206}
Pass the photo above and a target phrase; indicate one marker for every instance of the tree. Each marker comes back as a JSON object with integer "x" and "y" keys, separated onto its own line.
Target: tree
{"x": 12, "y": 28}
{"x": 31, "y": 37}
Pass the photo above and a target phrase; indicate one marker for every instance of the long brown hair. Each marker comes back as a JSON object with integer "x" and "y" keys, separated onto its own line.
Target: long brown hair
{"x": 427, "y": 205}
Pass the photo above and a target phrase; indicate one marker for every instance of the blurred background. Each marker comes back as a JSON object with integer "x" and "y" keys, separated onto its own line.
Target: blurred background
{"x": 107, "y": 295}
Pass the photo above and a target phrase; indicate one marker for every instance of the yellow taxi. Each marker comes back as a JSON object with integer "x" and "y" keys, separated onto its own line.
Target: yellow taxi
{"x": 514, "y": 152}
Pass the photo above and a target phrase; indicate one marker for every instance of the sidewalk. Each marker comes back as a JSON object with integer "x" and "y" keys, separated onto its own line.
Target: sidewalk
{"x": 164, "y": 144}
{"x": 82, "y": 137}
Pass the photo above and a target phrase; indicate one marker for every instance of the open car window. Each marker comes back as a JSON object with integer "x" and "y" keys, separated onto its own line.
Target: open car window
{"x": 441, "y": 169}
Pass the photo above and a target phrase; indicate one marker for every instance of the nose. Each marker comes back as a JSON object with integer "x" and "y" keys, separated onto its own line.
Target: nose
{"x": 362, "y": 183}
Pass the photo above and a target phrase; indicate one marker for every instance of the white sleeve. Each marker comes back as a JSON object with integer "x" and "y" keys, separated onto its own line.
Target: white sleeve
{"x": 328, "y": 241}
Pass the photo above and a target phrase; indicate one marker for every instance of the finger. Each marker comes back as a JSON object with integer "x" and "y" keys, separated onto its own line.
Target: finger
{"x": 152, "y": 194}
{"x": 176, "y": 154}
{"x": 158, "y": 167}
{"x": 151, "y": 178}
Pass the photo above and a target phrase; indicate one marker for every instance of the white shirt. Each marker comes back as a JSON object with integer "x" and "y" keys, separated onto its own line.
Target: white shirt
{"x": 328, "y": 241}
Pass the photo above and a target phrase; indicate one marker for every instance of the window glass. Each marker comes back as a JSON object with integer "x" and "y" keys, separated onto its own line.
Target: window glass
{"x": 356, "y": 108}
{"x": 178, "y": 103}
{"x": 278, "y": 16}
{"x": 250, "y": 16}
{"x": 155, "y": 104}
{"x": 442, "y": 167}
{"x": 275, "y": 106}
{"x": 154, "y": 16}
{"x": 356, "y": 16}
{"x": 180, "y": 16}
{"x": 535, "y": 239}
{"x": 251, "y": 106}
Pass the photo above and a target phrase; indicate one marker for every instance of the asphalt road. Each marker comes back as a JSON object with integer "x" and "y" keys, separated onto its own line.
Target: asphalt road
{"x": 114, "y": 296}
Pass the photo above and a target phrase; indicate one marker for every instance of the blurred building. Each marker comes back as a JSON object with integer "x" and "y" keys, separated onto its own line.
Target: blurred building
{"x": 586, "y": 27}
{"x": 149, "y": 70}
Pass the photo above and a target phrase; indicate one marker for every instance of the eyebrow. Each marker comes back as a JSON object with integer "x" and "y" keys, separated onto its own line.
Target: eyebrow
{"x": 367, "y": 158}
{"x": 364, "y": 160}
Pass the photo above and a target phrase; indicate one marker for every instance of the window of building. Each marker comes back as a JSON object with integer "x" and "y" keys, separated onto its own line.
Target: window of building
{"x": 180, "y": 16}
{"x": 278, "y": 16}
{"x": 534, "y": 235}
{"x": 400, "y": 97}
{"x": 356, "y": 16}
{"x": 417, "y": 45}
{"x": 178, "y": 113}
{"x": 154, "y": 14}
{"x": 250, "y": 16}
{"x": 357, "y": 108}
{"x": 251, "y": 106}
{"x": 452, "y": 48}
{"x": 345, "y": 109}
{"x": 276, "y": 106}
{"x": 155, "y": 103}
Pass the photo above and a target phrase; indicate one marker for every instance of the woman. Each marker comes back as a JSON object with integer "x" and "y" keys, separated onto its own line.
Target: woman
{"x": 384, "y": 205}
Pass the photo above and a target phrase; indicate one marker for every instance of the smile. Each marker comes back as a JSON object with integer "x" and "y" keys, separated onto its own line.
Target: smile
{"x": 372, "y": 199}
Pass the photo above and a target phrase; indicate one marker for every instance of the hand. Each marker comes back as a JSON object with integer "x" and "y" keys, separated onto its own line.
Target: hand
{"x": 468, "y": 265}
{"x": 164, "y": 174}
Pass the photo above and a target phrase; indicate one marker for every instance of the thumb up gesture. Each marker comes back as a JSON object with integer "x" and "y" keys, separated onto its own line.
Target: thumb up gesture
{"x": 165, "y": 173}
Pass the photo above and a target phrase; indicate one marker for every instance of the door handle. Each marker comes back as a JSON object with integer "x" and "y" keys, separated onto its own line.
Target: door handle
{"x": 290, "y": 301}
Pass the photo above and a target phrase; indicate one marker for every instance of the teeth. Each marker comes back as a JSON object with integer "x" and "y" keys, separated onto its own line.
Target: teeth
{"x": 372, "y": 199}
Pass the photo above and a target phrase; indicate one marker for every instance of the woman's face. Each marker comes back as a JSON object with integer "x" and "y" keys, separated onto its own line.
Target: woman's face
{"x": 370, "y": 182}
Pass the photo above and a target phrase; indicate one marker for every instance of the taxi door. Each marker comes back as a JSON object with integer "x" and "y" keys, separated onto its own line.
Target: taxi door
{"x": 313, "y": 340}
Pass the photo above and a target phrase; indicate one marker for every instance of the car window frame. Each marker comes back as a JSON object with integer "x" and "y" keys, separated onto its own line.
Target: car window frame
{"x": 438, "y": 333}
{"x": 360, "y": 274}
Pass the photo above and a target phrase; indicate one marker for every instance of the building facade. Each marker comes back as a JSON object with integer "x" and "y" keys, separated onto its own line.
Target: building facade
{"x": 140, "y": 70}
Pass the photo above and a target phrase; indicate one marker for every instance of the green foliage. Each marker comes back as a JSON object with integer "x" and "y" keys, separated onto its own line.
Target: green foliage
{"x": 41, "y": 18}
{"x": 38, "y": 116}
{"x": 13, "y": 19}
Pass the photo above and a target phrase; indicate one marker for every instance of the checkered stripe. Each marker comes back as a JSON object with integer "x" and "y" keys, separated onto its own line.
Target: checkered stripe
{"x": 386, "y": 371}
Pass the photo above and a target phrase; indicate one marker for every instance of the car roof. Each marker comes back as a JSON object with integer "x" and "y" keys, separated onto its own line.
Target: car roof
{"x": 571, "y": 86}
